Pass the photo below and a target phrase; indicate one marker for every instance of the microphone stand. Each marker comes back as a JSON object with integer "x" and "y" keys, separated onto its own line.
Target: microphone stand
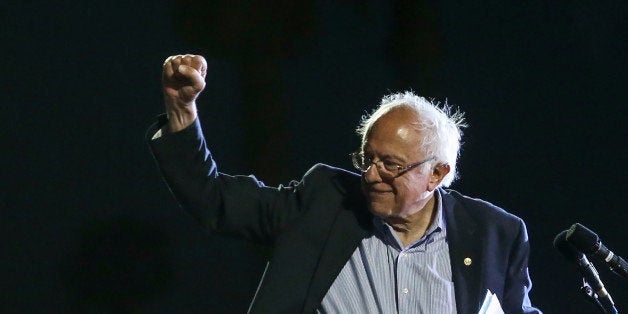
{"x": 604, "y": 307}
{"x": 587, "y": 291}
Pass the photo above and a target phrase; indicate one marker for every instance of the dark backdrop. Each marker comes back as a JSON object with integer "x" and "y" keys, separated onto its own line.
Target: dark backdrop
{"x": 88, "y": 225}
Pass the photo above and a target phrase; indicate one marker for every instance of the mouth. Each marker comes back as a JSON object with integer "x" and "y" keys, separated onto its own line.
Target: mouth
{"x": 376, "y": 189}
{"x": 378, "y": 192}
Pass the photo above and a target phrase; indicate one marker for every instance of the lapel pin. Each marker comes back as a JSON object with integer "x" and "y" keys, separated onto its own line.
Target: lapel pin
{"x": 468, "y": 261}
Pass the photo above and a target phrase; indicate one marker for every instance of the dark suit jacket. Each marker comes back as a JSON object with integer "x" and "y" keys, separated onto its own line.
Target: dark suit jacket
{"x": 314, "y": 225}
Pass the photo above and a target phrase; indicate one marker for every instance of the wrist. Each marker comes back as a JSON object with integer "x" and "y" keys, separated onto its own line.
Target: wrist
{"x": 180, "y": 118}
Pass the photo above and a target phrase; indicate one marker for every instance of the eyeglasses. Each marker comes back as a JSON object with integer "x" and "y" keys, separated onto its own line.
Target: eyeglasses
{"x": 386, "y": 169}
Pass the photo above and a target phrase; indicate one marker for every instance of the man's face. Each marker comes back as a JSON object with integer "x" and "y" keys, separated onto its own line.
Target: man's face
{"x": 393, "y": 139}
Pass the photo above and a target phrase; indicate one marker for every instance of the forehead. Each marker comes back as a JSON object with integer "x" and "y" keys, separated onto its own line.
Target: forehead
{"x": 395, "y": 132}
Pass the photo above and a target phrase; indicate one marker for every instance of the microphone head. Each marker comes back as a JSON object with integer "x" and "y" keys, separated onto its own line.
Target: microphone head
{"x": 566, "y": 248}
{"x": 583, "y": 238}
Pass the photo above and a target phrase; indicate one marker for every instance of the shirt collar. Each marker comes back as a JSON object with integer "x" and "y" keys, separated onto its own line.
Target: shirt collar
{"x": 439, "y": 222}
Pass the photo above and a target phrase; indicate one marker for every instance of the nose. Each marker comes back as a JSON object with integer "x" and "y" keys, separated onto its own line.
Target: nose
{"x": 372, "y": 174}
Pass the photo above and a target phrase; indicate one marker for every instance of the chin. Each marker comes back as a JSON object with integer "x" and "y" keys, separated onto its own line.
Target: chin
{"x": 381, "y": 210}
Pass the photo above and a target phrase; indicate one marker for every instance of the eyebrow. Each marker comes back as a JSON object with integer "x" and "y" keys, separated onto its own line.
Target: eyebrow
{"x": 389, "y": 157}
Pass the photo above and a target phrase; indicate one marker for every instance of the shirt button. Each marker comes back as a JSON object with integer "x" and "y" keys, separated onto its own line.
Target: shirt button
{"x": 405, "y": 290}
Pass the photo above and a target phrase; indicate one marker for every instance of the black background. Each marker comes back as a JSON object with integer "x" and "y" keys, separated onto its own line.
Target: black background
{"x": 89, "y": 226}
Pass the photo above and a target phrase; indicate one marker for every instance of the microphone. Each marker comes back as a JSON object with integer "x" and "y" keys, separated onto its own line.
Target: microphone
{"x": 586, "y": 269}
{"x": 589, "y": 243}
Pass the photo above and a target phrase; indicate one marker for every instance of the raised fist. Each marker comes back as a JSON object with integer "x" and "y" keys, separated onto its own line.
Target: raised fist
{"x": 183, "y": 79}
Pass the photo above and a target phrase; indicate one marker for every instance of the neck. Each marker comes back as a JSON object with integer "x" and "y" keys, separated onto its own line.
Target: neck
{"x": 413, "y": 227}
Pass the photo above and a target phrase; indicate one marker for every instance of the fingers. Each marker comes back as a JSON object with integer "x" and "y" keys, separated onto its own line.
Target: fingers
{"x": 197, "y": 62}
{"x": 195, "y": 78}
{"x": 167, "y": 69}
{"x": 185, "y": 70}
{"x": 183, "y": 78}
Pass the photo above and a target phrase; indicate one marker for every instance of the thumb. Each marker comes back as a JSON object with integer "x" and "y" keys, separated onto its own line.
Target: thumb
{"x": 186, "y": 70}
{"x": 194, "y": 76}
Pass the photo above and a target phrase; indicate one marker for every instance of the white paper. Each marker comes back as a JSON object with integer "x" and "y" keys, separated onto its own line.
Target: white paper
{"x": 491, "y": 304}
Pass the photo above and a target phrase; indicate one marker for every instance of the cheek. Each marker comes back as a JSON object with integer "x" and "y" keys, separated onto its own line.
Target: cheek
{"x": 409, "y": 192}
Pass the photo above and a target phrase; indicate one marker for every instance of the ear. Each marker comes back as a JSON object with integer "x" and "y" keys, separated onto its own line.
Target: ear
{"x": 436, "y": 175}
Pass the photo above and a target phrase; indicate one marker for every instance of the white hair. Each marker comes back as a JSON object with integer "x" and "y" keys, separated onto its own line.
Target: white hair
{"x": 440, "y": 127}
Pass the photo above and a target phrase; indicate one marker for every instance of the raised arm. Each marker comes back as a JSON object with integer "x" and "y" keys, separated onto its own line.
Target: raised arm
{"x": 240, "y": 206}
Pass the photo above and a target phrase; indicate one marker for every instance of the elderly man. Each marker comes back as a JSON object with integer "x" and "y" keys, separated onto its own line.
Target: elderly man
{"x": 390, "y": 240}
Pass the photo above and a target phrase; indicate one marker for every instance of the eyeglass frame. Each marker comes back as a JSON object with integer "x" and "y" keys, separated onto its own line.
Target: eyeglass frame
{"x": 401, "y": 170}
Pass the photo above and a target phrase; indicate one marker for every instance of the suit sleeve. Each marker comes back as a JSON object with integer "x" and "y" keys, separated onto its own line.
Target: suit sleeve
{"x": 238, "y": 206}
{"x": 518, "y": 282}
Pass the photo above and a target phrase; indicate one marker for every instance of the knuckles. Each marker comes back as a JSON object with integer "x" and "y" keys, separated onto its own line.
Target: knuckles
{"x": 187, "y": 58}
{"x": 196, "y": 61}
{"x": 171, "y": 73}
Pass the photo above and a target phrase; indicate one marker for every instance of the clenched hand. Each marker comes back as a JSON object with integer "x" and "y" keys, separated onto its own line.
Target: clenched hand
{"x": 183, "y": 79}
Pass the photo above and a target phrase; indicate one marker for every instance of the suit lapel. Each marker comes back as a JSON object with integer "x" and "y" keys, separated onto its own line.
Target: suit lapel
{"x": 352, "y": 224}
{"x": 465, "y": 254}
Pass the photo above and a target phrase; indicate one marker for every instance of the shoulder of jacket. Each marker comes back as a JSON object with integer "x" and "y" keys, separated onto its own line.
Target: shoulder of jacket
{"x": 486, "y": 210}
